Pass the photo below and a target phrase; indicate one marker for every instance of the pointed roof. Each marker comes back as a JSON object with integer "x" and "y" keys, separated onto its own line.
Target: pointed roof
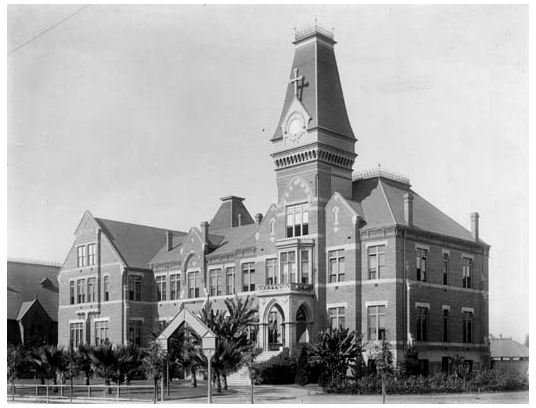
{"x": 507, "y": 348}
{"x": 24, "y": 284}
{"x": 382, "y": 200}
{"x": 232, "y": 239}
{"x": 232, "y": 213}
{"x": 137, "y": 244}
{"x": 164, "y": 255}
{"x": 320, "y": 90}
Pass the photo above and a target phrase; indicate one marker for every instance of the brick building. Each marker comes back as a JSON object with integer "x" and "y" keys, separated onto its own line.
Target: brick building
{"x": 361, "y": 250}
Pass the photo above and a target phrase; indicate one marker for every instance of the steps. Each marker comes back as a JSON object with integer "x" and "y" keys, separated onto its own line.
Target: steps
{"x": 241, "y": 377}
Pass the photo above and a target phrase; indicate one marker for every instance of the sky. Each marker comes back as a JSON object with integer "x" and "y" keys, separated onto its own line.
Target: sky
{"x": 149, "y": 114}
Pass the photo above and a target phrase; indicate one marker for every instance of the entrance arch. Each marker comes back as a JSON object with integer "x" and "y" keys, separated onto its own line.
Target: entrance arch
{"x": 303, "y": 316}
{"x": 275, "y": 319}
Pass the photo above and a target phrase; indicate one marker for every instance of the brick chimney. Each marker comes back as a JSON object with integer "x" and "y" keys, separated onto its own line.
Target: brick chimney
{"x": 169, "y": 240}
{"x": 258, "y": 218}
{"x": 474, "y": 225}
{"x": 204, "y": 231}
{"x": 408, "y": 208}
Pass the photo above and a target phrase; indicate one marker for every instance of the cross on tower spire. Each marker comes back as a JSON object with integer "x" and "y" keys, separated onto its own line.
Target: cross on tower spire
{"x": 296, "y": 80}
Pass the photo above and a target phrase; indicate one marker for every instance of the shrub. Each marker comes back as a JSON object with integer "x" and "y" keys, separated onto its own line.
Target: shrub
{"x": 280, "y": 369}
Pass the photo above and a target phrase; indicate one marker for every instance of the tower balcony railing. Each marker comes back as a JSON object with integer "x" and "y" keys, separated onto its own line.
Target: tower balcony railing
{"x": 291, "y": 286}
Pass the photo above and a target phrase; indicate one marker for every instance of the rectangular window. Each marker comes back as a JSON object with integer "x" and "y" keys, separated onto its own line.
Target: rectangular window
{"x": 445, "y": 268}
{"x": 81, "y": 291}
{"x": 305, "y": 259}
{"x": 106, "y": 288}
{"x": 91, "y": 290}
{"x": 336, "y": 318}
{"x": 134, "y": 287}
{"x": 376, "y": 322}
{"x": 81, "y": 255}
{"x": 336, "y": 266}
{"x": 215, "y": 282}
{"x": 161, "y": 283}
{"x": 91, "y": 254}
{"x": 376, "y": 261}
{"x": 71, "y": 293}
{"x": 193, "y": 284}
{"x": 297, "y": 217}
{"x": 248, "y": 277}
{"x": 271, "y": 271}
{"x": 422, "y": 323}
{"x": 77, "y": 332}
{"x": 467, "y": 271}
{"x": 467, "y": 327}
{"x": 101, "y": 332}
{"x": 230, "y": 280}
{"x": 135, "y": 332}
{"x": 445, "y": 325}
{"x": 288, "y": 266}
{"x": 174, "y": 286}
{"x": 422, "y": 260}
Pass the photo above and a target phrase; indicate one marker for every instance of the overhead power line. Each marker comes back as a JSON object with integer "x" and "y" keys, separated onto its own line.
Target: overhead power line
{"x": 46, "y": 30}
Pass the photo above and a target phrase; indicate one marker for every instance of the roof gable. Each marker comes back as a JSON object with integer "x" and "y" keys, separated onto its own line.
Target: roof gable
{"x": 236, "y": 238}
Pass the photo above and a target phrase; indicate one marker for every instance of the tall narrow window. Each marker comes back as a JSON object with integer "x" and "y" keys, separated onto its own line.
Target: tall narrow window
{"x": 288, "y": 266}
{"x": 77, "y": 332}
{"x": 81, "y": 255}
{"x": 248, "y": 277}
{"x": 81, "y": 291}
{"x": 106, "y": 288}
{"x": 161, "y": 288}
{"x": 91, "y": 254}
{"x": 422, "y": 323}
{"x": 305, "y": 260}
{"x": 297, "y": 217}
{"x": 230, "y": 280}
{"x": 336, "y": 318}
{"x": 71, "y": 293}
{"x": 445, "y": 267}
{"x": 376, "y": 322}
{"x": 134, "y": 287}
{"x": 376, "y": 261}
{"x": 422, "y": 260}
{"x": 445, "y": 325}
{"x": 467, "y": 271}
{"x": 91, "y": 290}
{"x": 336, "y": 266}
{"x": 101, "y": 332}
{"x": 193, "y": 284}
{"x": 215, "y": 282}
{"x": 174, "y": 286}
{"x": 271, "y": 271}
{"x": 467, "y": 327}
{"x": 135, "y": 332}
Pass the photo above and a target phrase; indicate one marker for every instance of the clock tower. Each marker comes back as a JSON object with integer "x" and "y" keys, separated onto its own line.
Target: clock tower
{"x": 314, "y": 142}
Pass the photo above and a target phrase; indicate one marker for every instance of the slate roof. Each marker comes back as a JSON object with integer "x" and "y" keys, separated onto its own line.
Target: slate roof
{"x": 164, "y": 255}
{"x": 321, "y": 90}
{"x": 137, "y": 244}
{"x": 507, "y": 348}
{"x": 232, "y": 239}
{"x": 227, "y": 214}
{"x": 382, "y": 201}
{"x": 23, "y": 284}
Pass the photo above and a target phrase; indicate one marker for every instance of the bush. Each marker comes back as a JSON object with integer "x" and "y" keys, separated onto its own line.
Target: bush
{"x": 280, "y": 369}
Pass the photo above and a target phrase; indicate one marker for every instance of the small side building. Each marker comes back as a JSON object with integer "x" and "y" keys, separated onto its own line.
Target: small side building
{"x": 32, "y": 302}
{"x": 509, "y": 354}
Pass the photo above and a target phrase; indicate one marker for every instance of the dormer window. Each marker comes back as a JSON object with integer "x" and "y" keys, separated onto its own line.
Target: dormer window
{"x": 297, "y": 220}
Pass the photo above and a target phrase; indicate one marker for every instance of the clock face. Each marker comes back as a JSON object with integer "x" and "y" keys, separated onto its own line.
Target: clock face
{"x": 295, "y": 127}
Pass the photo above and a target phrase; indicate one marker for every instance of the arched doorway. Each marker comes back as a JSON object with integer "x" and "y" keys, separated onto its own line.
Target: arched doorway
{"x": 275, "y": 327}
{"x": 302, "y": 331}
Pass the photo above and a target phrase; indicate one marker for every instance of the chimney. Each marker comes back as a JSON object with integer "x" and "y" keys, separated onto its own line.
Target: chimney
{"x": 408, "y": 208}
{"x": 258, "y": 218}
{"x": 204, "y": 231}
{"x": 169, "y": 240}
{"x": 474, "y": 225}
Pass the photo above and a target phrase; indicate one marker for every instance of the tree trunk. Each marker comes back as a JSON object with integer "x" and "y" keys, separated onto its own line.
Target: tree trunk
{"x": 155, "y": 390}
{"x": 86, "y": 380}
{"x": 107, "y": 382}
{"x": 383, "y": 390}
{"x": 194, "y": 378}
{"x": 224, "y": 379}
{"x": 218, "y": 382}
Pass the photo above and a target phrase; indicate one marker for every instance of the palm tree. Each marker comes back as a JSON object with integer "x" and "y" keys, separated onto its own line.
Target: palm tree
{"x": 54, "y": 361}
{"x": 82, "y": 361}
{"x": 15, "y": 363}
{"x": 128, "y": 360}
{"x": 384, "y": 362}
{"x": 153, "y": 364}
{"x": 104, "y": 359}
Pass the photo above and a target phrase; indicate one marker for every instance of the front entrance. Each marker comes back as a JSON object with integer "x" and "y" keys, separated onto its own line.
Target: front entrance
{"x": 302, "y": 331}
{"x": 276, "y": 328}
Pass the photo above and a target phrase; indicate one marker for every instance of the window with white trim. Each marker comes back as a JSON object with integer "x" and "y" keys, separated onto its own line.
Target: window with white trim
{"x": 72, "y": 292}
{"x": 81, "y": 291}
{"x": 297, "y": 217}
{"x": 467, "y": 327}
{"x": 91, "y": 254}
{"x": 101, "y": 332}
{"x": 422, "y": 261}
{"x": 106, "y": 287}
{"x": 134, "y": 287}
{"x": 161, "y": 288}
{"x": 215, "y": 282}
{"x": 230, "y": 280}
{"x": 305, "y": 264}
{"x": 288, "y": 266}
{"x": 271, "y": 271}
{"x": 91, "y": 288}
{"x": 77, "y": 334}
{"x": 376, "y": 261}
{"x": 445, "y": 268}
{"x": 376, "y": 322}
{"x": 467, "y": 271}
{"x": 336, "y": 318}
{"x": 135, "y": 329}
{"x": 81, "y": 255}
{"x": 422, "y": 323}
{"x": 248, "y": 277}
{"x": 336, "y": 266}
{"x": 193, "y": 284}
{"x": 174, "y": 286}
{"x": 445, "y": 325}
